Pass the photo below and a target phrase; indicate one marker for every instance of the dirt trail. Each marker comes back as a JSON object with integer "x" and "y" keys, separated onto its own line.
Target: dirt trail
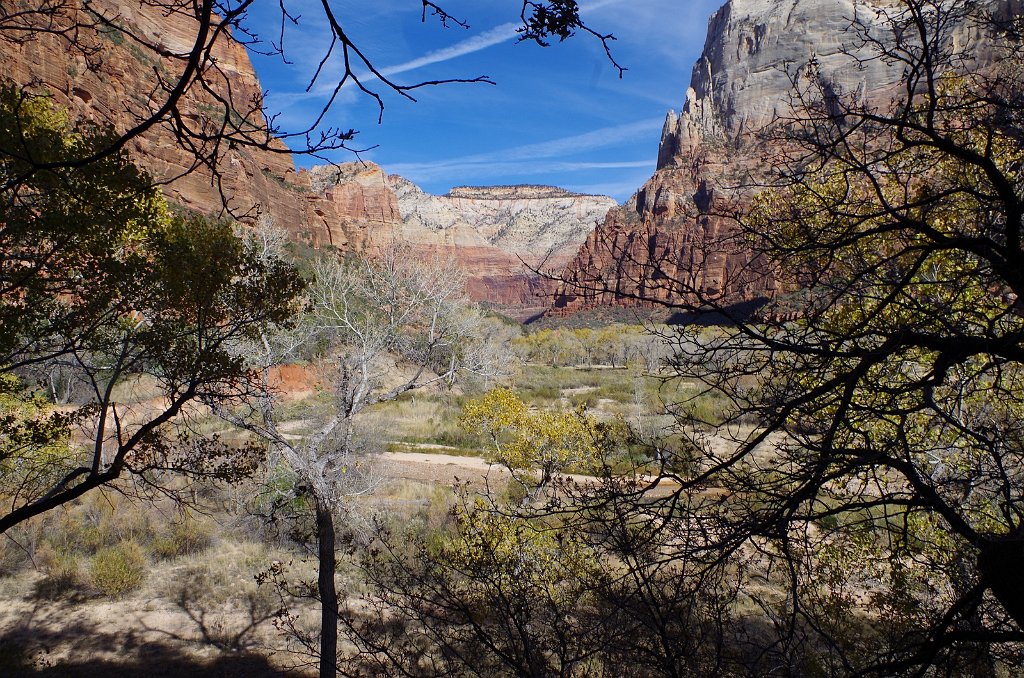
{"x": 446, "y": 468}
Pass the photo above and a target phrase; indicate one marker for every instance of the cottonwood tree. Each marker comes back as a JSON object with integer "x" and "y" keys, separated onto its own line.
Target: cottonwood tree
{"x": 488, "y": 593}
{"x": 380, "y": 327}
{"x": 96, "y": 273}
{"x": 881, "y": 486}
{"x": 526, "y": 442}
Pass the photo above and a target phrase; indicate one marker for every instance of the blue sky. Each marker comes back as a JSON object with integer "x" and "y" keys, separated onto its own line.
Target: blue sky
{"x": 558, "y": 115}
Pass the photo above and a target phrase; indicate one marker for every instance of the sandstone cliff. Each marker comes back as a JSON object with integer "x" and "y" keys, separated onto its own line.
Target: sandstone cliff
{"x": 118, "y": 80}
{"x": 496, "y": 234}
{"x": 671, "y": 241}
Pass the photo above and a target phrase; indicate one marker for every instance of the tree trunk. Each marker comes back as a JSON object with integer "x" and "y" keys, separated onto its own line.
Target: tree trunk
{"x": 1000, "y": 562}
{"x": 327, "y": 590}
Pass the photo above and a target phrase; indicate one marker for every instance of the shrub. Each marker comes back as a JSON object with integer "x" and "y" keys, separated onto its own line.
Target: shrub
{"x": 514, "y": 493}
{"x": 119, "y": 569}
{"x": 63, "y": 575}
{"x": 12, "y": 557}
{"x": 186, "y": 537}
{"x": 100, "y": 520}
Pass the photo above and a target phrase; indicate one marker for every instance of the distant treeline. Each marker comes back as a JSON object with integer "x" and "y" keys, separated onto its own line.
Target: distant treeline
{"x": 612, "y": 346}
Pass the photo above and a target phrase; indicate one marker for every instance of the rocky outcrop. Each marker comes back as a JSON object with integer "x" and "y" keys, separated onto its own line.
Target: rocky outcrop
{"x": 744, "y": 78}
{"x": 116, "y": 80}
{"x": 500, "y": 235}
{"x": 674, "y": 240}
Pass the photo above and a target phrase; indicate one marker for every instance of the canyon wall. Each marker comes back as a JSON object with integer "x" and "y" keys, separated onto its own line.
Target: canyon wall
{"x": 501, "y": 236}
{"x": 674, "y": 240}
{"x": 116, "y": 80}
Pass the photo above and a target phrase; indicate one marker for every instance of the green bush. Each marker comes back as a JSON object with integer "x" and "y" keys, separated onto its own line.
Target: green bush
{"x": 63, "y": 576}
{"x": 456, "y": 437}
{"x": 99, "y": 520}
{"x": 186, "y": 537}
{"x": 119, "y": 569}
{"x": 514, "y": 493}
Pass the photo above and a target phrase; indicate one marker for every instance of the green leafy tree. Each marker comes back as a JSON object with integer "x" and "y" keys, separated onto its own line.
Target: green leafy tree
{"x": 97, "y": 274}
{"x": 526, "y": 441}
{"x": 565, "y": 586}
{"x": 487, "y": 593}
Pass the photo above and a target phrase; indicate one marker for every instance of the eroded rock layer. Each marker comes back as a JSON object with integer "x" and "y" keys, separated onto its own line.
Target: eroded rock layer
{"x": 673, "y": 240}
{"x": 501, "y": 235}
{"x": 118, "y": 81}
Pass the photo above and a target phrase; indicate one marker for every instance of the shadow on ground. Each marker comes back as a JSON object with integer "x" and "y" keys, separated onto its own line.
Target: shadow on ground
{"x": 29, "y": 649}
{"x": 160, "y": 665}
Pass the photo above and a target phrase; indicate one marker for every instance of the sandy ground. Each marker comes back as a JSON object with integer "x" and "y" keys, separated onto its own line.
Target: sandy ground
{"x": 137, "y": 636}
{"x": 448, "y": 468}
{"x": 151, "y": 635}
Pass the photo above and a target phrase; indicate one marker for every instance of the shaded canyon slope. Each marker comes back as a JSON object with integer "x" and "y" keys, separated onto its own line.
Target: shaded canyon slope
{"x": 120, "y": 77}
{"x": 671, "y": 242}
{"x": 118, "y": 81}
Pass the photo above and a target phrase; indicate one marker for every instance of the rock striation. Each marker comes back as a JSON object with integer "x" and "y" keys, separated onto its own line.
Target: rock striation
{"x": 542, "y": 226}
{"x": 672, "y": 240}
{"x": 117, "y": 81}
{"x": 500, "y": 235}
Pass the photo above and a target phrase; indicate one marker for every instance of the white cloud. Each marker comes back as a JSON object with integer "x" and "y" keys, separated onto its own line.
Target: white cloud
{"x": 490, "y": 38}
{"x": 586, "y": 7}
{"x": 542, "y": 159}
{"x": 577, "y": 143}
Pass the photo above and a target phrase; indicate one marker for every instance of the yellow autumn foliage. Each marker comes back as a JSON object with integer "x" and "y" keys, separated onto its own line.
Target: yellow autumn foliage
{"x": 525, "y": 439}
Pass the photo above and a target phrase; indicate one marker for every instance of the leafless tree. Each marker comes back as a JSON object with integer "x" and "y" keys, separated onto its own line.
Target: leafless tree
{"x": 385, "y": 326}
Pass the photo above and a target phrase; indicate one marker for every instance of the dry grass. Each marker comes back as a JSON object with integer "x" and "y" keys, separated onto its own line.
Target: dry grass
{"x": 191, "y": 614}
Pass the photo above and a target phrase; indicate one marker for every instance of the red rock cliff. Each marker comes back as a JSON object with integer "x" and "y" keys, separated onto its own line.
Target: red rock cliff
{"x": 110, "y": 83}
{"x": 353, "y": 206}
{"x": 674, "y": 240}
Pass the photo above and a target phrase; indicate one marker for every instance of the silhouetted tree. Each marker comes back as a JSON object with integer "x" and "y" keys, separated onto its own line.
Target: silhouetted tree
{"x": 881, "y": 485}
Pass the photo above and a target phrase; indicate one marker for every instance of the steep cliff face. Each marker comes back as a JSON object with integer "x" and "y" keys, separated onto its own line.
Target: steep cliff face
{"x": 541, "y": 225}
{"x": 497, "y": 234}
{"x": 743, "y": 79}
{"x": 674, "y": 234}
{"x": 118, "y": 81}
